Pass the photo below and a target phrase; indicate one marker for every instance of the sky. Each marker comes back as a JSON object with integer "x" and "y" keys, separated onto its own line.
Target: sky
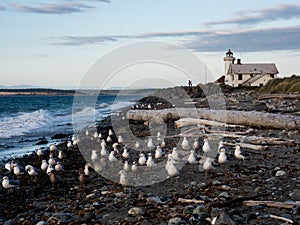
{"x": 55, "y": 43}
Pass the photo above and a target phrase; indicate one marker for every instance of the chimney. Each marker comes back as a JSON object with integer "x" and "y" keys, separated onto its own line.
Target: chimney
{"x": 233, "y": 60}
{"x": 239, "y": 61}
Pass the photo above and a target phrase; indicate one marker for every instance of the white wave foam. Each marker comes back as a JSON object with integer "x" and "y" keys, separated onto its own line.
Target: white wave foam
{"x": 86, "y": 111}
{"x": 24, "y": 123}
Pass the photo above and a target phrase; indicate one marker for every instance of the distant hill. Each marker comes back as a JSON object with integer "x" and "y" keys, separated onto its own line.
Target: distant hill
{"x": 282, "y": 85}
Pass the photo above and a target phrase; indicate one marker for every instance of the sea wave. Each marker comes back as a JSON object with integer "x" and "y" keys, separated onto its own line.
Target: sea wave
{"x": 24, "y": 123}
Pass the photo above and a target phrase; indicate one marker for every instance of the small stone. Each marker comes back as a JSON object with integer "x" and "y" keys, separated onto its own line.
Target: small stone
{"x": 225, "y": 187}
{"x": 215, "y": 212}
{"x": 199, "y": 209}
{"x": 295, "y": 195}
{"x": 216, "y": 182}
{"x": 224, "y": 218}
{"x": 280, "y": 173}
{"x": 41, "y": 223}
{"x": 88, "y": 216}
{"x": 135, "y": 211}
{"x": 188, "y": 209}
{"x": 277, "y": 168}
{"x": 61, "y": 218}
{"x": 223, "y": 195}
{"x": 176, "y": 221}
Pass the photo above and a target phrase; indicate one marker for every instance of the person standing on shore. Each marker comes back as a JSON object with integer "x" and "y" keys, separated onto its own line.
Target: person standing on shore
{"x": 190, "y": 83}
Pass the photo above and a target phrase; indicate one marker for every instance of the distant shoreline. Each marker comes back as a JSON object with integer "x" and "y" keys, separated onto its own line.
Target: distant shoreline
{"x": 59, "y": 92}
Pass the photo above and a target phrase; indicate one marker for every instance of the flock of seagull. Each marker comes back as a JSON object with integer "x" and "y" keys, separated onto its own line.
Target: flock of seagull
{"x": 112, "y": 153}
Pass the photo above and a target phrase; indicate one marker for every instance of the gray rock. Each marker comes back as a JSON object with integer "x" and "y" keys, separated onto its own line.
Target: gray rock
{"x": 41, "y": 223}
{"x": 61, "y": 218}
{"x": 280, "y": 173}
{"x": 215, "y": 212}
{"x": 216, "y": 182}
{"x": 176, "y": 221}
{"x": 295, "y": 195}
{"x": 199, "y": 209}
{"x": 188, "y": 209}
{"x": 224, "y": 219}
{"x": 223, "y": 195}
{"x": 225, "y": 187}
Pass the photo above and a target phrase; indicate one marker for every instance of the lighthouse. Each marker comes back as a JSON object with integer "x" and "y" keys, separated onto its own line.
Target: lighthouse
{"x": 228, "y": 59}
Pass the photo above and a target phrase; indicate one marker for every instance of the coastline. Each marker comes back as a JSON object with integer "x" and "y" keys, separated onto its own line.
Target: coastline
{"x": 107, "y": 202}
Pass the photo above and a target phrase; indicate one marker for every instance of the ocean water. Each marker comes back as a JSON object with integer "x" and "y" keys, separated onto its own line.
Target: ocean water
{"x": 25, "y": 120}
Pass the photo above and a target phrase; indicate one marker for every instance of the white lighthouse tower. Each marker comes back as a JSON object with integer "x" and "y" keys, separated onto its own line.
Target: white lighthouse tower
{"x": 228, "y": 59}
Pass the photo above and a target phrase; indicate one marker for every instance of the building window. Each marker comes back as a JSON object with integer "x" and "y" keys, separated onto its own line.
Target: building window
{"x": 240, "y": 76}
{"x": 251, "y": 74}
{"x": 272, "y": 75}
{"x": 261, "y": 84}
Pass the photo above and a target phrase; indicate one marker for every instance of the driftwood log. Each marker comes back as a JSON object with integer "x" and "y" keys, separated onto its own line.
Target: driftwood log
{"x": 286, "y": 205}
{"x": 248, "y": 118}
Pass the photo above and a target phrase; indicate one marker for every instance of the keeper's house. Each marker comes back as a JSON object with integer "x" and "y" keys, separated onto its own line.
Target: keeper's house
{"x": 247, "y": 74}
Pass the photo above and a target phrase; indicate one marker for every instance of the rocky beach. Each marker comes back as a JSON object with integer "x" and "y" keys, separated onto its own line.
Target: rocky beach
{"x": 264, "y": 188}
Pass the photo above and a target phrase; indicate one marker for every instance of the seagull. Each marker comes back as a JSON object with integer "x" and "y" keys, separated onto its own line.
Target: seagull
{"x": 171, "y": 168}
{"x": 134, "y": 169}
{"x": 207, "y": 164}
{"x": 163, "y": 144}
{"x": 150, "y": 161}
{"x": 110, "y": 132}
{"x": 137, "y": 145}
{"x": 158, "y": 152}
{"x": 100, "y": 135}
{"x": 196, "y": 144}
{"x": 125, "y": 153}
{"x": 120, "y": 139}
{"x": 52, "y": 148}
{"x": 185, "y": 143}
{"x": 222, "y": 156}
{"x": 221, "y": 145}
{"x": 39, "y": 153}
{"x": 123, "y": 178}
{"x": 73, "y": 137}
{"x": 150, "y": 144}
{"x": 17, "y": 170}
{"x": 108, "y": 139}
{"x": 44, "y": 165}
{"x": 98, "y": 168}
{"x": 94, "y": 155}
{"x": 87, "y": 169}
{"x": 126, "y": 166}
{"x": 175, "y": 154}
{"x": 69, "y": 145}
{"x": 87, "y": 133}
{"x": 238, "y": 153}
{"x": 192, "y": 158}
{"x": 142, "y": 159}
{"x": 115, "y": 147}
{"x": 159, "y": 136}
{"x": 112, "y": 157}
{"x": 53, "y": 178}
{"x": 83, "y": 178}
{"x": 206, "y": 146}
{"x": 60, "y": 155}
{"x": 9, "y": 166}
{"x": 59, "y": 167}
{"x": 96, "y": 135}
{"x": 31, "y": 171}
{"x": 52, "y": 160}
{"x": 9, "y": 184}
{"x": 104, "y": 151}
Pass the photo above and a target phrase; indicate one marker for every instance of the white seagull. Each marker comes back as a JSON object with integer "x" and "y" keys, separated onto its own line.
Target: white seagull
{"x": 142, "y": 159}
{"x": 39, "y": 153}
{"x": 206, "y": 147}
{"x": 175, "y": 155}
{"x": 125, "y": 153}
{"x": 44, "y": 165}
{"x": 192, "y": 158}
{"x": 94, "y": 155}
{"x": 9, "y": 184}
{"x": 150, "y": 144}
{"x": 238, "y": 153}
{"x": 222, "y": 156}
{"x": 123, "y": 178}
{"x": 158, "y": 152}
{"x": 185, "y": 143}
{"x": 150, "y": 161}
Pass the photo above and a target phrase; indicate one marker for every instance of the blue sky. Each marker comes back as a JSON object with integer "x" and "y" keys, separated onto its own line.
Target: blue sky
{"x": 53, "y": 43}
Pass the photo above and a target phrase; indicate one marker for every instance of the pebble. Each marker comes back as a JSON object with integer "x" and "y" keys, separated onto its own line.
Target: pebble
{"x": 223, "y": 195}
{"x": 199, "y": 209}
{"x": 225, "y": 187}
{"x": 61, "y": 218}
{"x": 216, "y": 182}
{"x": 135, "y": 211}
{"x": 295, "y": 195}
{"x": 224, "y": 218}
{"x": 41, "y": 223}
{"x": 176, "y": 221}
{"x": 280, "y": 173}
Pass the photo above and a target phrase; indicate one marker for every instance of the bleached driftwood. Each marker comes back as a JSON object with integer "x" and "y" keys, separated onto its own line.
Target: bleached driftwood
{"x": 268, "y": 141}
{"x": 281, "y": 218}
{"x": 249, "y": 118}
{"x": 286, "y": 205}
{"x": 193, "y": 121}
{"x": 228, "y": 132}
{"x": 245, "y": 145}
{"x": 185, "y": 200}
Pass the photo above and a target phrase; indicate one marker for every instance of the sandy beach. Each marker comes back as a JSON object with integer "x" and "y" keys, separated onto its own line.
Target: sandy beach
{"x": 220, "y": 196}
